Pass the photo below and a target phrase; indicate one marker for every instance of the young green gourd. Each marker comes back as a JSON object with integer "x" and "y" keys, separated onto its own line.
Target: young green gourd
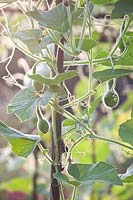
{"x": 42, "y": 123}
{"x": 111, "y": 98}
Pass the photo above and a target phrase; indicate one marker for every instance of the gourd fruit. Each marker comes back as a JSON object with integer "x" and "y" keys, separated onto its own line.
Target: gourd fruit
{"x": 42, "y": 123}
{"x": 111, "y": 99}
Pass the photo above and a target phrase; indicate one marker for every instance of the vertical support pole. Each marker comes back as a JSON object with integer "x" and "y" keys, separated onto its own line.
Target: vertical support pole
{"x": 54, "y": 190}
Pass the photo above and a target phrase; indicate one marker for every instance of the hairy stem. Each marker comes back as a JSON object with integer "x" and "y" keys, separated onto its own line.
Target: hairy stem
{"x": 74, "y": 193}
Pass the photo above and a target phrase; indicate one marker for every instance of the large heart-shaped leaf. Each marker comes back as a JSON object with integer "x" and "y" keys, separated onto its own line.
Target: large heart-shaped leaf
{"x": 22, "y": 144}
{"x": 32, "y": 38}
{"x": 109, "y": 74}
{"x": 24, "y": 103}
{"x": 55, "y": 18}
{"x": 90, "y": 173}
{"x": 53, "y": 81}
{"x": 126, "y": 131}
{"x": 122, "y": 8}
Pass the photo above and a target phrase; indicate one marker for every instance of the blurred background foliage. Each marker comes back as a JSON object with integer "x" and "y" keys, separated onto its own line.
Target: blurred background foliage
{"x": 21, "y": 178}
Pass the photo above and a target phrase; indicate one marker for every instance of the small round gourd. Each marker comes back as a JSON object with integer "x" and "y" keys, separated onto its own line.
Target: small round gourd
{"x": 111, "y": 99}
{"x": 42, "y": 126}
{"x": 42, "y": 123}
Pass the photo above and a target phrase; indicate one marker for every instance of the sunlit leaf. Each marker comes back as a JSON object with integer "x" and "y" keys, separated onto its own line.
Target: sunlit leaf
{"x": 127, "y": 58}
{"x": 53, "y": 81}
{"x": 90, "y": 173}
{"x": 22, "y": 144}
{"x": 126, "y": 131}
{"x": 32, "y": 38}
{"x": 94, "y": 105}
{"x": 24, "y": 103}
{"x": 55, "y": 18}
{"x": 87, "y": 44}
{"x": 109, "y": 74}
{"x": 68, "y": 122}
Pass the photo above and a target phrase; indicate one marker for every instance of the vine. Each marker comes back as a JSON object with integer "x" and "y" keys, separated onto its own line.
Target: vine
{"x": 51, "y": 42}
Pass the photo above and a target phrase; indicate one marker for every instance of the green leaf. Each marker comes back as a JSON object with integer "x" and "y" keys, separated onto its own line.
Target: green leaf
{"x": 45, "y": 98}
{"x": 126, "y": 131}
{"x": 55, "y": 18}
{"x": 90, "y": 173}
{"x": 87, "y": 44}
{"x": 21, "y": 184}
{"x": 22, "y": 144}
{"x": 53, "y": 81}
{"x": 127, "y": 58}
{"x": 63, "y": 178}
{"x": 128, "y": 176}
{"x": 121, "y": 8}
{"x": 24, "y": 103}
{"x": 46, "y": 40}
{"x": 76, "y": 12}
{"x": 32, "y": 38}
{"x": 109, "y": 74}
{"x": 100, "y": 2}
{"x": 29, "y": 34}
{"x": 68, "y": 122}
{"x": 103, "y": 54}
{"x": 94, "y": 105}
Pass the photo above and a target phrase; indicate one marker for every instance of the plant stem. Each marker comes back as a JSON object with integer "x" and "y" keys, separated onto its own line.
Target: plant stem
{"x": 37, "y": 58}
{"x": 85, "y": 62}
{"x": 39, "y": 3}
{"x": 72, "y": 41}
{"x": 60, "y": 44}
{"x": 74, "y": 193}
{"x": 90, "y": 64}
{"x": 91, "y": 134}
{"x": 77, "y": 142}
{"x": 61, "y": 192}
{"x": 93, "y": 145}
{"x": 77, "y": 101}
{"x": 54, "y": 188}
{"x": 83, "y": 27}
{"x": 45, "y": 154}
{"x": 55, "y": 137}
{"x": 111, "y": 141}
{"x": 120, "y": 37}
